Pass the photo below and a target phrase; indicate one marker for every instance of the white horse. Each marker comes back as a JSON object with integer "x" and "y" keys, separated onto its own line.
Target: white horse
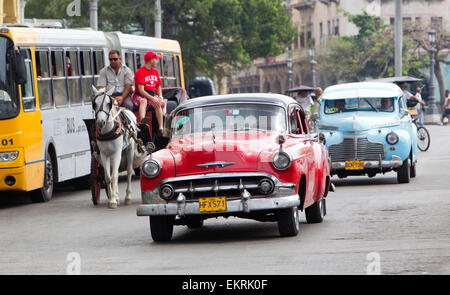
{"x": 118, "y": 150}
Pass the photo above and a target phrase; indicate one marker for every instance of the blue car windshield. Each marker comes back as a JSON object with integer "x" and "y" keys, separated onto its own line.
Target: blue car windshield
{"x": 366, "y": 104}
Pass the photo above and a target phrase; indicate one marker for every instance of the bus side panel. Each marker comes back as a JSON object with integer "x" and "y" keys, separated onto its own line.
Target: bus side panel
{"x": 65, "y": 130}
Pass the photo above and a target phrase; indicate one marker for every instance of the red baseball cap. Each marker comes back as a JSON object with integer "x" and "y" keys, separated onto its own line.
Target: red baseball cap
{"x": 150, "y": 55}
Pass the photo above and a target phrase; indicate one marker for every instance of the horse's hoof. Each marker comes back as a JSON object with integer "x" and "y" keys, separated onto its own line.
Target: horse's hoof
{"x": 128, "y": 202}
{"x": 112, "y": 205}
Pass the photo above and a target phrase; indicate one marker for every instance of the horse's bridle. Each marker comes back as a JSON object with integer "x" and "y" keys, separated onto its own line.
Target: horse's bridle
{"x": 101, "y": 107}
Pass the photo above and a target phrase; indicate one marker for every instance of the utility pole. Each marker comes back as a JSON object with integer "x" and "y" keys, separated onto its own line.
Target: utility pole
{"x": 158, "y": 18}
{"x": 93, "y": 8}
{"x": 23, "y": 3}
{"x": 398, "y": 37}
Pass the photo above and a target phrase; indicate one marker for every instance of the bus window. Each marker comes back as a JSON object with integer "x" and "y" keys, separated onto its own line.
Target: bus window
{"x": 73, "y": 76}
{"x": 99, "y": 64}
{"x": 139, "y": 60}
{"x": 86, "y": 75}
{"x": 27, "y": 89}
{"x": 168, "y": 71}
{"x": 59, "y": 79}
{"x": 129, "y": 61}
{"x": 43, "y": 79}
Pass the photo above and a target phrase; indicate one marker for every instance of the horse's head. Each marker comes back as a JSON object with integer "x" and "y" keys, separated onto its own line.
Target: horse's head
{"x": 102, "y": 106}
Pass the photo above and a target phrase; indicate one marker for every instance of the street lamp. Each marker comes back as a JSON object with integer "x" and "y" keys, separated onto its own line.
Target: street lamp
{"x": 289, "y": 72}
{"x": 173, "y": 28}
{"x": 313, "y": 65}
{"x": 432, "y": 111}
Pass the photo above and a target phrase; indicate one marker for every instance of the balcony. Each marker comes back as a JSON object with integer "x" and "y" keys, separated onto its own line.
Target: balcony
{"x": 304, "y": 4}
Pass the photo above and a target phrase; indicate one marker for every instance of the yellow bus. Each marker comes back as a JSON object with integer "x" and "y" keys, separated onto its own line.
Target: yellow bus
{"x": 45, "y": 92}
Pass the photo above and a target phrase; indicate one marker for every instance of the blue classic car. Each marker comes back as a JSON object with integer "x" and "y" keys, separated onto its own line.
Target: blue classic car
{"x": 368, "y": 130}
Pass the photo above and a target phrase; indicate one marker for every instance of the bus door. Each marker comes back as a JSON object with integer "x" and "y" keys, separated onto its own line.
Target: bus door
{"x": 32, "y": 127}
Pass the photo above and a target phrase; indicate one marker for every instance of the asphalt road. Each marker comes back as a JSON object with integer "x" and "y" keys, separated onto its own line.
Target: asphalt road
{"x": 372, "y": 224}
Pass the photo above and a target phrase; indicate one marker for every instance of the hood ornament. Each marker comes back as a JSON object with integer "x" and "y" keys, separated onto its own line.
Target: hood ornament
{"x": 219, "y": 164}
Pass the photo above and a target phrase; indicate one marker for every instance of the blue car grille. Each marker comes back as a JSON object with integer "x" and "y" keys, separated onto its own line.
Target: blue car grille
{"x": 356, "y": 148}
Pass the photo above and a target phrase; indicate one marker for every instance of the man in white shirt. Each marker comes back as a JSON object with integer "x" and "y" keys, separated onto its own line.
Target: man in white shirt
{"x": 118, "y": 76}
{"x": 419, "y": 105}
{"x": 305, "y": 100}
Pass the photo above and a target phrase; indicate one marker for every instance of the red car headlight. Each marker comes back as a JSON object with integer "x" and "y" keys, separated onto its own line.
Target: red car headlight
{"x": 281, "y": 160}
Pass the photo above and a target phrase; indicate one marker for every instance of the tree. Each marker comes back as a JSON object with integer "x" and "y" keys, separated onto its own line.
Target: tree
{"x": 419, "y": 33}
{"x": 215, "y": 35}
{"x": 369, "y": 54}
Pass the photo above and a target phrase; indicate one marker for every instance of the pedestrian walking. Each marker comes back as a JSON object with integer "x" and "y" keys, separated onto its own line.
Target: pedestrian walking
{"x": 420, "y": 105}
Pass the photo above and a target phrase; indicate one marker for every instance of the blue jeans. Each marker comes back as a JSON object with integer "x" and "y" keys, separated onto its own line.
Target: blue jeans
{"x": 420, "y": 115}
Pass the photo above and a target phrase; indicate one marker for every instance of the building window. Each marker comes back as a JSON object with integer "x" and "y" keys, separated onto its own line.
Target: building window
{"x": 321, "y": 30}
{"x": 336, "y": 28}
{"x": 436, "y": 21}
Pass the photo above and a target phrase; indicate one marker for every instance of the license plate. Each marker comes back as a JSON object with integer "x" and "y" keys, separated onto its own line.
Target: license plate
{"x": 212, "y": 204}
{"x": 354, "y": 165}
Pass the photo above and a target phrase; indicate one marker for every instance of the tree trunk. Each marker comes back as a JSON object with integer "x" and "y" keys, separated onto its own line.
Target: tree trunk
{"x": 440, "y": 80}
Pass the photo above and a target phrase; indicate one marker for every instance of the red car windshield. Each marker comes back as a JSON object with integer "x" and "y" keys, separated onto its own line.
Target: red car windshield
{"x": 229, "y": 118}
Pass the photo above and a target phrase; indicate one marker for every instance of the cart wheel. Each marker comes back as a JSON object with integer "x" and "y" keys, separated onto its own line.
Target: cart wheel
{"x": 96, "y": 181}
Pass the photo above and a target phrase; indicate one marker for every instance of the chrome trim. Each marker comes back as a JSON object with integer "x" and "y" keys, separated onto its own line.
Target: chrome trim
{"x": 395, "y": 162}
{"x": 220, "y": 164}
{"x": 346, "y": 150}
{"x": 239, "y": 205}
{"x": 35, "y": 161}
{"x": 278, "y": 183}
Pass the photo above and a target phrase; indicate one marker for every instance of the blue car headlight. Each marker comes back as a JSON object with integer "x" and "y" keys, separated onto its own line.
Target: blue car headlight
{"x": 392, "y": 138}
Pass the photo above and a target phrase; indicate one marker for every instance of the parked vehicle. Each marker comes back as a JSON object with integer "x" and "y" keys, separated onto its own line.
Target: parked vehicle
{"x": 368, "y": 130}
{"x": 243, "y": 155}
{"x": 201, "y": 86}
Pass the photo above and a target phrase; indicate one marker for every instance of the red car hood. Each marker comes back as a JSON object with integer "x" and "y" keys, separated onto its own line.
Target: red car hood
{"x": 221, "y": 152}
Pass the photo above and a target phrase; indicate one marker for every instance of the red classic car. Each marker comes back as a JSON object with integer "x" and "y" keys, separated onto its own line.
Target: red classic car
{"x": 242, "y": 155}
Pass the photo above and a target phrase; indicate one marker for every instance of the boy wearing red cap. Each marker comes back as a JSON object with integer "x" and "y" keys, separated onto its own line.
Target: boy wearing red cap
{"x": 148, "y": 90}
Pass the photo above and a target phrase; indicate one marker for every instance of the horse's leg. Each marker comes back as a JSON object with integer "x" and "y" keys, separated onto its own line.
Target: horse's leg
{"x": 115, "y": 163}
{"x": 107, "y": 167}
{"x": 130, "y": 158}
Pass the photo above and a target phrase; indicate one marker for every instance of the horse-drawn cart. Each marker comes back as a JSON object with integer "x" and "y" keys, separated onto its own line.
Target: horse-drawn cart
{"x": 148, "y": 141}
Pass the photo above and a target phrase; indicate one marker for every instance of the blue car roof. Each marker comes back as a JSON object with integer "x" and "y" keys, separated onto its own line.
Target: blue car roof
{"x": 362, "y": 89}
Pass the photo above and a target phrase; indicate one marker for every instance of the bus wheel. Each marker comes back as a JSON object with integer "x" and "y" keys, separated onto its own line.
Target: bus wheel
{"x": 45, "y": 193}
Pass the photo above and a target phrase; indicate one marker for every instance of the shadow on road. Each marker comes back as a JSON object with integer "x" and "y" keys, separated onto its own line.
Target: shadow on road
{"x": 363, "y": 181}
{"x": 228, "y": 233}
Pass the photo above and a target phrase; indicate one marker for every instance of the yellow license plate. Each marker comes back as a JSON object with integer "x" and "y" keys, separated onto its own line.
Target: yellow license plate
{"x": 354, "y": 165}
{"x": 212, "y": 204}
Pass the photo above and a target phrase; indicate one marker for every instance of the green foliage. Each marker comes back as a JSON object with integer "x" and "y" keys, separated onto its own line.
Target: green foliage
{"x": 367, "y": 55}
{"x": 215, "y": 35}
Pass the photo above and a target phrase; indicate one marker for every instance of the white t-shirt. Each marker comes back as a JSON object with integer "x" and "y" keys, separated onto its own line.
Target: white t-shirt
{"x": 419, "y": 99}
{"x": 305, "y": 102}
{"x": 447, "y": 103}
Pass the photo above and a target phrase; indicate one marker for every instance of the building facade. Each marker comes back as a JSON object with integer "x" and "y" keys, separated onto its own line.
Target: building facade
{"x": 317, "y": 21}
{"x": 9, "y": 11}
